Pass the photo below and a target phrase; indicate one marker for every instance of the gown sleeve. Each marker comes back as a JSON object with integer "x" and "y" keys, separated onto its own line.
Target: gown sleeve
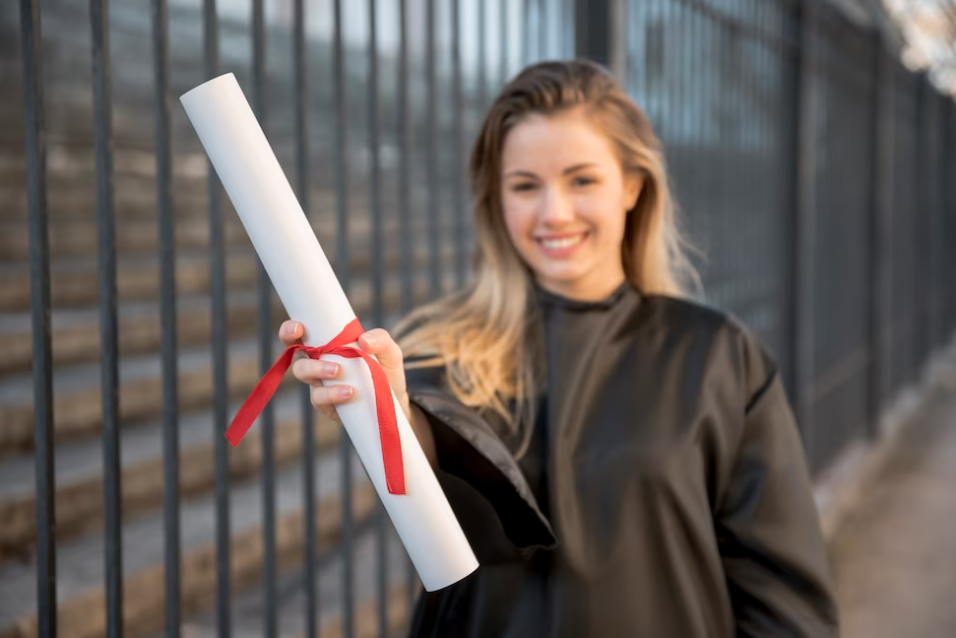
{"x": 480, "y": 478}
{"x": 772, "y": 547}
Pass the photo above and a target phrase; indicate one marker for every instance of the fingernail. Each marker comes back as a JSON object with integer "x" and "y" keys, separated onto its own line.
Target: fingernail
{"x": 370, "y": 342}
{"x": 291, "y": 330}
{"x": 330, "y": 368}
{"x": 343, "y": 391}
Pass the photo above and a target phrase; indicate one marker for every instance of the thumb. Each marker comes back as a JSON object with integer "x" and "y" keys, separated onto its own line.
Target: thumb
{"x": 379, "y": 343}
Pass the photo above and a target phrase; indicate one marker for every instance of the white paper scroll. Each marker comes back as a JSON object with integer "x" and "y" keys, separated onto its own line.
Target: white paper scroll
{"x": 312, "y": 295}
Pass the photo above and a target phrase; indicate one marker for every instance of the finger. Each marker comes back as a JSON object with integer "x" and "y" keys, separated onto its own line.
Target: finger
{"x": 312, "y": 370}
{"x": 381, "y": 344}
{"x": 321, "y": 395}
{"x": 290, "y": 332}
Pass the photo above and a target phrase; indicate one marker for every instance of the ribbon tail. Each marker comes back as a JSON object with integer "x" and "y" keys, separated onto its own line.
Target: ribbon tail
{"x": 388, "y": 430}
{"x": 259, "y": 397}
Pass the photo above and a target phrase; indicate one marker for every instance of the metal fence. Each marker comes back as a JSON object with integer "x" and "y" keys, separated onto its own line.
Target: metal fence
{"x": 816, "y": 174}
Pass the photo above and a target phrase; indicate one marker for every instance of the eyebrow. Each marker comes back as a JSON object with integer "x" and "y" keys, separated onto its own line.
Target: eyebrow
{"x": 567, "y": 171}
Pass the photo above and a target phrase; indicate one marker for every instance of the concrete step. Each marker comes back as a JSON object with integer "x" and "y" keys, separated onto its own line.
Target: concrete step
{"x": 77, "y": 408}
{"x": 77, "y": 237}
{"x": 77, "y": 395}
{"x": 80, "y": 564}
{"x": 76, "y": 332}
{"x": 135, "y": 198}
{"x": 139, "y": 236}
{"x": 74, "y": 282}
{"x": 79, "y": 470}
{"x": 248, "y": 613}
{"x": 72, "y": 191}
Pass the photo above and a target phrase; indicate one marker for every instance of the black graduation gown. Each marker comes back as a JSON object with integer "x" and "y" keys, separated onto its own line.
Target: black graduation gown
{"x": 665, "y": 492}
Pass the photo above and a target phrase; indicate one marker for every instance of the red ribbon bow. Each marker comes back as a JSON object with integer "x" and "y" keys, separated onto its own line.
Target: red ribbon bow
{"x": 387, "y": 422}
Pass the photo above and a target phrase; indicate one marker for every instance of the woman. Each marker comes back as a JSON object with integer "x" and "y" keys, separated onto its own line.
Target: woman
{"x": 623, "y": 461}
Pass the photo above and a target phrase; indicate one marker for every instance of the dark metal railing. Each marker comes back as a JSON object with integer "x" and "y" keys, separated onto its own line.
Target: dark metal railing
{"x": 43, "y": 437}
{"x": 167, "y": 254}
{"x": 816, "y": 173}
{"x": 109, "y": 363}
{"x": 795, "y": 139}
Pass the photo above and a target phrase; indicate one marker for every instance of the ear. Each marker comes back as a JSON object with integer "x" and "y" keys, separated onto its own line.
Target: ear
{"x": 633, "y": 185}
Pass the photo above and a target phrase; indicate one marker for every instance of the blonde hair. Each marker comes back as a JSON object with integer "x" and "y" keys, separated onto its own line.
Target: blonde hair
{"x": 484, "y": 335}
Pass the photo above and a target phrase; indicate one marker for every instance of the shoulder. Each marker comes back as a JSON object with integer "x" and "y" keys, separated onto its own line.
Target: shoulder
{"x": 727, "y": 345}
{"x": 686, "y": 314}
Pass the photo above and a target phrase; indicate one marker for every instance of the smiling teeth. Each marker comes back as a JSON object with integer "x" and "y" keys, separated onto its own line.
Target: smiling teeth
{"x": 561, "y": 243}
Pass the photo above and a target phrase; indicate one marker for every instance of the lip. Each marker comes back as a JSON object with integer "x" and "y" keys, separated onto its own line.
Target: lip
{"x": 563, "y": 252}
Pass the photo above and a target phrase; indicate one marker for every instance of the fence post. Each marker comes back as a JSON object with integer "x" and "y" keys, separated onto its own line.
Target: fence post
{"x": 803, "y": 203}
{"x": 43, "y": 434}
{"x": 881, "y": 180}
{"x": 593, "y": 35}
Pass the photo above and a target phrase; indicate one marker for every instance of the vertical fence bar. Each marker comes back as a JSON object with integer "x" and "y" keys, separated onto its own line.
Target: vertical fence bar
{"x": 723, "y": 268}
{"x": 405, "y": 130}
{"x": 431, "y": 109}
{"x": 460, "y": 215}
{"x": 637, "y": 49}
{"x": 914, "y": 221}
{"x": 220, "y": 340}
{"x": 672, "y": 55}
{"x": 790, "y": 142}
{"x": 917, "y": 294}
{"x": 167, "y": 294}
{"x": 482, "y": 93}
{"x": 880, "y": 197}
{"x": 771, "y": 67}
{"x": 343, "y": 264}
{"x": 43, "y": 434}
{"x": 308, "y": 412}
{"x": 935, "y": 238}
{"x": 541, "y": 23}
{"x": 374, "y": 134}
{"x": 805, "y": 231}
{"x": 503, "y": 27}
{"x": 617, "y": 35}
{"x": 264, "y": 299}
{"x": 736, "y": 210}
{"x": 381, "y": 520}
{"x": 942, "y": 111}
{"x": 404, "y": 208}
{"x": 744, "y": 198}
{"x": 106, "y": 256}
{"x": 344, "y": 269}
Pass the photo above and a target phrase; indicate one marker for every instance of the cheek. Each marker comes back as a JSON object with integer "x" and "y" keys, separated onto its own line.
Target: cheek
{"x": 519, "y": 220}
{"x": 606, "y": 215}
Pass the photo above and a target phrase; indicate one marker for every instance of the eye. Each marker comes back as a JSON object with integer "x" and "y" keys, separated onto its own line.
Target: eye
{"x": 524, "y": 186}
{"x": 582, "y": 180}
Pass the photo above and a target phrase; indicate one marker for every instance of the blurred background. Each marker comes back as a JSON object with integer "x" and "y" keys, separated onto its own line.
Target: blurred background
{"x": 812, "y": 145}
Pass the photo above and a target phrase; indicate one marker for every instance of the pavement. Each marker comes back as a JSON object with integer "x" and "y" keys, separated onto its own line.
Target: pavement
{"x": 894, "y": 555}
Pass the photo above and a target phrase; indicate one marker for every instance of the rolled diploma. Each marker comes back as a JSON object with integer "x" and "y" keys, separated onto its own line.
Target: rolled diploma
{"x": 312, "y": 295}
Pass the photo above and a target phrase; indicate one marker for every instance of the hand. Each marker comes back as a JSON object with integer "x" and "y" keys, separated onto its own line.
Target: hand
{"x": 315, "y": 371}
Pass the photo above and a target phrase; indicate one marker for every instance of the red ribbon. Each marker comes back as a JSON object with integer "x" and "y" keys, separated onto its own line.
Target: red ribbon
{"x": 384, "y": 406}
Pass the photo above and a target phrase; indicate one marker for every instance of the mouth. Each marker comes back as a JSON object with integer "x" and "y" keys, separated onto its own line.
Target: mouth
{"x": 559, "y": 245}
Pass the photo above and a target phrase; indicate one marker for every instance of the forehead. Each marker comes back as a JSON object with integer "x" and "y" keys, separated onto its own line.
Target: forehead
{"x": 546, "y": 143}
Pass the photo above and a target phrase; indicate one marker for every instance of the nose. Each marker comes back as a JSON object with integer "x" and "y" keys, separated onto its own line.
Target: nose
{"x": 556, "y": 208}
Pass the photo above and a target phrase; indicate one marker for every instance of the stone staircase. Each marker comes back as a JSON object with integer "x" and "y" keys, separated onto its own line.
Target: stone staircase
{"x": 78, "y": 420}
{"x": 76, "y": 356}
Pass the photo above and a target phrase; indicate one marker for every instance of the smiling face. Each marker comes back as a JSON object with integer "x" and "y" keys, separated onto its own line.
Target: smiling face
{"x": 565, "y": 199}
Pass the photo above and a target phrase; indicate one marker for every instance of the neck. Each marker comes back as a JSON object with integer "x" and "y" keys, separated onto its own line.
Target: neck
{"x": 589, "y": 292}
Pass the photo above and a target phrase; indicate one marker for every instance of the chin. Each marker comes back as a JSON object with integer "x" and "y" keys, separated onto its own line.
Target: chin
{"x": 560, "y": 278}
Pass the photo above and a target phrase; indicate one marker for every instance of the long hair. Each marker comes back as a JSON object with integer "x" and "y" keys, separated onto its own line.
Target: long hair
{"x": 484, "y": 335}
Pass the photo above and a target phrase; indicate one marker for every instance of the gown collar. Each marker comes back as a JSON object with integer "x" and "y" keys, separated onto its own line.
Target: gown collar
{"x": 549, "y": 298}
